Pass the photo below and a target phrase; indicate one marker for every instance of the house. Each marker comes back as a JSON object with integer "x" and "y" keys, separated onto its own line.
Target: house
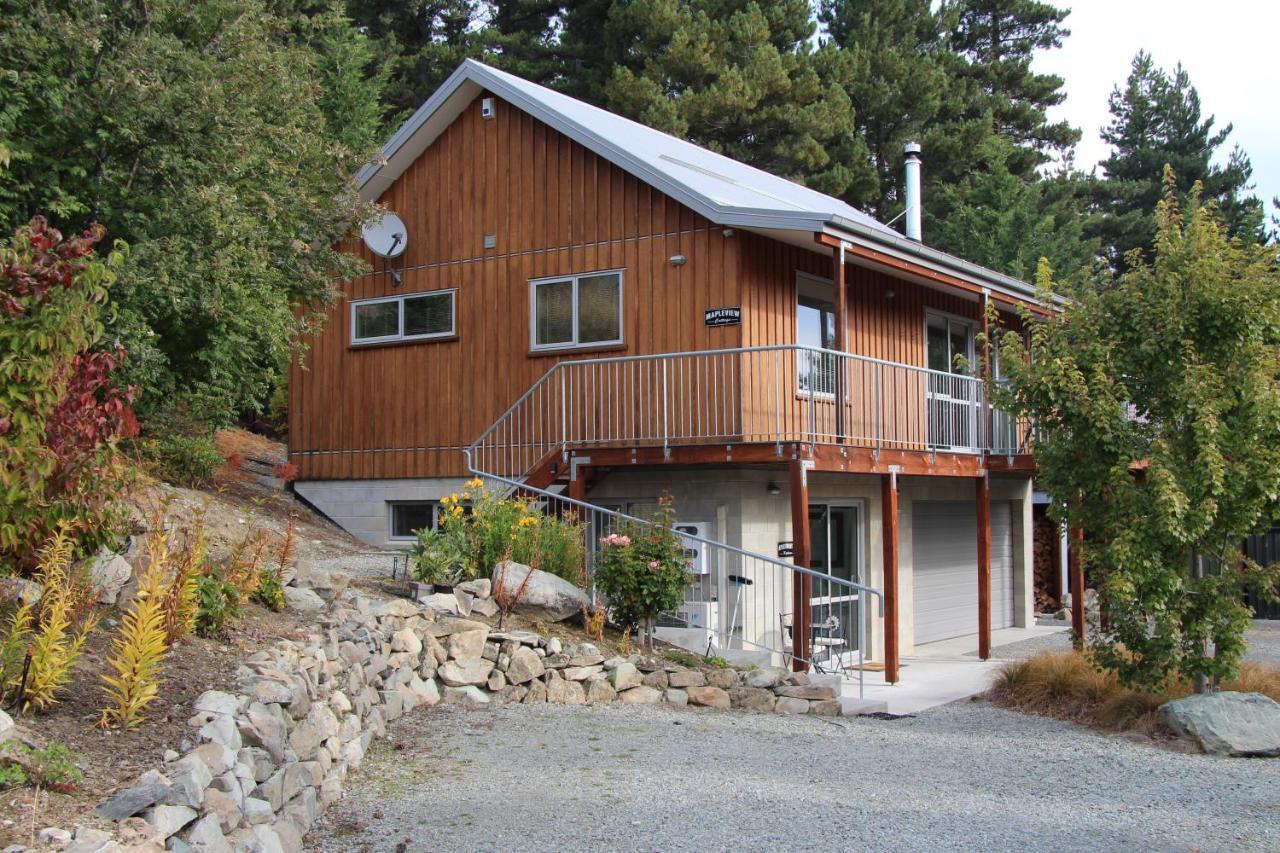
{"x": 599, "y": 310}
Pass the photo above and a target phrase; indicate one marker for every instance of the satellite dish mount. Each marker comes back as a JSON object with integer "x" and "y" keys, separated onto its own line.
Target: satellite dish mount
{"x": 387, "y": 238}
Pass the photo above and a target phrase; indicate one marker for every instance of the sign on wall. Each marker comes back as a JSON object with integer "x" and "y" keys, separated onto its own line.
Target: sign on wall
{"x": 786, "y": 550}
{"x": 722, "y": 316}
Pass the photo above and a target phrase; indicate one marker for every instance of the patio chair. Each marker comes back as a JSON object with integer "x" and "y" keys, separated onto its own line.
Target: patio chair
{"x": 788, "y": 639}
{"x": 827, "y": 638}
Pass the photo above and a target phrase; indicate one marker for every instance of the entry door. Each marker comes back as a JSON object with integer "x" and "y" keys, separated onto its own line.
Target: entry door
{"x": 952, "y": 396}
{"x": 834, "y": 541}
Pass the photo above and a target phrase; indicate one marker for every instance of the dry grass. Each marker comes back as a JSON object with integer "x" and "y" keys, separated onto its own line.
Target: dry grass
{"x": 1063, "y": 685}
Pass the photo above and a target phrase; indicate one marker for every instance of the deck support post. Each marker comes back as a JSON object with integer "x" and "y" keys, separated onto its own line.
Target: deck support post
{"x": 889, "y": 525}
{"x": 983, "y": 495}
{"x": 842, "y": 325}
{"x": 801, "y": 584}
{"x": 1076, "y": 560}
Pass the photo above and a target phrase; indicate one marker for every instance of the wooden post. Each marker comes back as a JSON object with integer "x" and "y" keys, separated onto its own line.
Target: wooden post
{"x": 889, "y": 525}
{"x": 1076, "y": 562}
{"x": 802, "y": 584}
{"x": 842, "y": 325}
{"x": 578, "y": 491}
{"x": 983, "y": 496}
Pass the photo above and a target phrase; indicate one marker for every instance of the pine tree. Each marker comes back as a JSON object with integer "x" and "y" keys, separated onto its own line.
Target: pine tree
{"x": 1156, "y": 119}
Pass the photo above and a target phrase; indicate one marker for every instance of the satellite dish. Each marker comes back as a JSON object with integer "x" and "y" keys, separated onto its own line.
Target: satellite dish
{"x": 387, "y": 237}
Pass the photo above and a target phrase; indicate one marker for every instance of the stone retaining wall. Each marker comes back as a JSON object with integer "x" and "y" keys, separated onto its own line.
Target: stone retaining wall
{"x": 265, "y": 761}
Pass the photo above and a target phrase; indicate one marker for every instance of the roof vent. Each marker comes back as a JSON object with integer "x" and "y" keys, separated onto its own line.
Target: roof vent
{"x": 912, "y": 152}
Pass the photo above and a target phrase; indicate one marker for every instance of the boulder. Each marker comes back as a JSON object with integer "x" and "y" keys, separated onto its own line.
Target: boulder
{"x": 467, "y": 644}
{"x": 406, "y": 640}
{"x": 445, "y": 602}
{"x": 656, "y": 679}
{"x": 486, "y": 607}
{"x": 723, "y": 678}
{"x": 450, "y": 625}
{"x": 600, "y": 691}
{"x": 625, "y": 676}
{"x": 537, "y": 693}
{"x": 302, "y": 599}
{"x": 470, "y": 696}
{"x": 788, "y": 705}
{"x": 169, "y": 819}
{"x": 545, "y": 596}
{"x": 813, "y": 692}
{"x": 462, "y": 673}
{"x": 765, "y": 678}
{"x": 686, "y": 678}
{"x": 640, "y": 696}
{"x": 108, "y": 573}
{"x": 7, "y": 729}
{"x": 19, "y": 591}
{"x": 586, "y": 654}
{"x": 1230, "y": 723}
{"x": 825, "y": 708}
{"x": 525, "y": 666}
{"x": 711, "y": 697}
{"x": 676, "y": 696}
{"x": 752, "y": 698}
{"x": 561, "y": 692}
{"x": 581, "y": 673}
{"x": 479, "y": 588}
{"x": 130, "y": 801}
{"x": 206, "y": 836}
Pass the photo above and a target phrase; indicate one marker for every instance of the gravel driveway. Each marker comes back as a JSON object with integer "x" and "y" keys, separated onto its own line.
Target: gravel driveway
{"x": 963, "y": 776}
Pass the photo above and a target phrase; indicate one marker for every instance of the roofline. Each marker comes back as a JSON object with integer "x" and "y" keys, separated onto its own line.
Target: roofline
{"x": 905, "y": 249}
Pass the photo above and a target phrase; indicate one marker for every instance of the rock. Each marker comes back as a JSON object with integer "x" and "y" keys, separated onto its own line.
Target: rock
{"x": 406, "y": 640}
{"x": 108, "y": 573}
{"x": 267, "y": 840}
{"x": 19, "y": 591}
{"x": 562, "y": 692}
{"x": 825, "y": 707}
{"x": 217, "y": 703}
{"x": 525, "y": 666}
{"x": 686, "y": 678}
{"x": 461, "y": 673}
{"x": 537, "y": 693}
{"x": 130, "y": 801}
{"x": 639, "y": 696}
{"x": 451, "y": 625}
{"x": 189, "y": 777}
{"x": 486, "y": 607}
{"x": 657, "y": 679}
{"x": 527, "y": 638}
{"x": 752, "y": 698}
{"x": 169, "y": 819}
{"x": 815, "y": 692}
{"x": 497, "y": 681}
{"x": 257, "y": 811}
{"x": 512, "y": 693}
{"x": 89, "y": 840}
{"x": 468, "y": 644}
{"x": 723, "y": 678}
{"x": 554, "y": 646}
{"x": 766, "y": 678}
{"x": 136, "y": 831}
{"x": 218, "y": 758}
{"x": 7, "y": 729}
{"x": 614, "y": 662}
{"x": 600, "y": 691}
{"x": 480, "y": 587}
{"x": 711, "y": 697}
{"x": 329, "y": 585}
{"x": 206, "y": 836}
{"x": 394, "y": 607}
{"x": 625, "y": 676}
{"x": 222, "y": 807}
{"x": 788, "y": 705}
{"x": 581, "y": 673}
{"x": 545, "y": 596}
{"x": 586, "y": 655}
{"x": 260, "y": 727}
{"x": 54, "y": 836}
{"x": 444, "y": 602}
{"x": 302, "y": 599}
{"x": 1229, "y": 723}
{"x": 469, "y": 695}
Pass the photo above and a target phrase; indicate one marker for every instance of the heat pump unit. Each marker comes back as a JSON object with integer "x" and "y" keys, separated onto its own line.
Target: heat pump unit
{"x": 696, "y": 551}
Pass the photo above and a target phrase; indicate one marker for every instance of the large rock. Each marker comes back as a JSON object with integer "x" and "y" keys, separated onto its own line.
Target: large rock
{"x": 625, "y": 676}
{"x": 686, "y": 678}
{"x": 814, "y": 692}
{"x": 545, "y": 596}
{"x": 770, "y": 676}
{"x": 462, "y": 673}
{"x": 108, "y": 573}
{"x": 640, "y": 696}
{"x": 1227, "y": 723}
{"x": 302, "y": 599}
{"x": 711, "y": 697}
{"x": 7, "y": 729}
{"x": 130, "y": 801}
{"x": 19, "y": 591}
{"x": 525, "y": 666}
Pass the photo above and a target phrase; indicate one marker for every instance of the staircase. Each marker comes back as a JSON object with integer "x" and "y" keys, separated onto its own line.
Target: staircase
{"x": 743, "y": 607}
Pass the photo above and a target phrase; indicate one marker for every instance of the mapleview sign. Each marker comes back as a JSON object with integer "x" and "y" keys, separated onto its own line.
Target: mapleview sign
{"x": 722, "y": 316}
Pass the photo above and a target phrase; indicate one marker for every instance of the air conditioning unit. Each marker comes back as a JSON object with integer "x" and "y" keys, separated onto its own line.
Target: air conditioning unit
{"x": 696, "y": 551}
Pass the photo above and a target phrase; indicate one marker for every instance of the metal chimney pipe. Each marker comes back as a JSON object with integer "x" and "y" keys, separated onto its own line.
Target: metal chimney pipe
{"x": 912, "y": 213}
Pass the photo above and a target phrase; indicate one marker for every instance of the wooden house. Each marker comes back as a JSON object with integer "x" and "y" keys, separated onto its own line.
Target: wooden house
{"x": 597, "y": 309}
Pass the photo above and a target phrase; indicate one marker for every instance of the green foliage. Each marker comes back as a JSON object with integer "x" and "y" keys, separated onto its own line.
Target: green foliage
{"x": 718, "y": 662}
{"x": 1156, "y": 120}
{"x": 53, "y": 766}
{"x": 270, "y": 591}
{"x": 217, "y": 603}
{"x": 199, "y": 135}
{"x": 468, "y": 543}
{"x": 184, "y": 460}
{"x": 643, "y": 570}
{"x": 1157, "y": 417}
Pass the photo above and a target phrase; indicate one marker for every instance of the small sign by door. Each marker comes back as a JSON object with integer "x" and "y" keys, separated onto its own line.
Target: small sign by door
{"x": 786, "y": 550}
{"x": 722, "y": 316}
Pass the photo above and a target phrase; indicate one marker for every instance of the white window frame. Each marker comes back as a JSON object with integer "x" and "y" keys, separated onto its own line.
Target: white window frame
{"x": 812, "y": 281}
{"x": 935, "y": 314}
{"x": 400, "y": 335}
{"x": 534, "y": 283}
{"x": 391, "y": 518}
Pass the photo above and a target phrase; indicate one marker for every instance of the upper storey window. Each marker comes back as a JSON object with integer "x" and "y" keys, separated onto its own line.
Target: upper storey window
{"x": 576, "y": 310}
{"x": 408, "y": 317}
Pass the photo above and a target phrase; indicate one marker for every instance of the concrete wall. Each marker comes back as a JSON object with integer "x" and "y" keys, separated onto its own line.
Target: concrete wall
{"x": 362, "y": 507}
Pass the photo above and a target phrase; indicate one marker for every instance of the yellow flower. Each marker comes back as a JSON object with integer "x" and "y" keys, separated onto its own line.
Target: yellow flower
{"x": 529, "y": 521}
{"x": 466, "y": 496}
{"x": 474, "y": 483}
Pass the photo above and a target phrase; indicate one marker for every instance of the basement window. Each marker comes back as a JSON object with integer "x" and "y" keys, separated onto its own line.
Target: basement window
{"x": 576, "y": 311}
{"x": 408, "y": 517}
{"x": 409, "y": 317}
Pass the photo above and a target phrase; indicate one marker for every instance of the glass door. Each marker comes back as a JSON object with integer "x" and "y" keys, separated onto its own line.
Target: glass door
{"x": 952, "y": 398}
{"x": 834, "y": 535}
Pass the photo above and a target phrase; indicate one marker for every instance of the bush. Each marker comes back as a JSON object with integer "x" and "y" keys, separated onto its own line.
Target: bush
{"x": 218, "y": 602}
{"x": 190, "y": 461}
{"x": 467, "y": 544}
{"x": 138, "y": 652}
{"x": 53, "y": 767}
{"x": 643, "y": 571}
{"x": 270, "y": 591}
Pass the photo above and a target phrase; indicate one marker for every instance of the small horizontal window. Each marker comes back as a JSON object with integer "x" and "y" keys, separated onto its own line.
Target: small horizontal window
{"x": 577, "y": 311}
{"x": 411, "y": 317}
{"x": 408, "y": 517}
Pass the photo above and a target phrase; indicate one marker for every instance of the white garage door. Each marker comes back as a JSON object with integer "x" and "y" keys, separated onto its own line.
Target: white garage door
{"x": 944, "y": 543}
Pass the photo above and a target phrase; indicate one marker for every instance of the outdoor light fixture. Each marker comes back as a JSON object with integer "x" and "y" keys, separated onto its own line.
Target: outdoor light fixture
{"x": 678, "y": 260}
{"x": 889, "y": 294}
{"x": 773, "y": 489}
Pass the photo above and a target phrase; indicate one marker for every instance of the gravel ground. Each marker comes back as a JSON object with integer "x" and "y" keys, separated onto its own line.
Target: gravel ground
{"x": 1263, "y": 640}
{"x": 372, "y": 564}
{"x": 963, "y": 776}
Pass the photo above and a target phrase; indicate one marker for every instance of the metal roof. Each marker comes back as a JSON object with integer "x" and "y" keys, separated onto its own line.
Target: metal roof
{"x": 719, "y": 188}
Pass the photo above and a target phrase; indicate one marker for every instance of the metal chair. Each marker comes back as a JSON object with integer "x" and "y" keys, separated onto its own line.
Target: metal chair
{"x": 827, "y": 637}
{"x": 788, "y": 639}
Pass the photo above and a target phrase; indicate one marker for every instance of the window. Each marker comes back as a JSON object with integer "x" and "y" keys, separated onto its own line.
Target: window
{"x": 408, "y": 517}
{"x": 411, "y": 317}
{"x": 577, "y": 311}
{"x": 946, "y": 338}
{"x": 816, "y": 328}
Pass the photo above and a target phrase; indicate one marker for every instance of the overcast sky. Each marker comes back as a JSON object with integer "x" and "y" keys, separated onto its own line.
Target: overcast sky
{"x": 1230, "y": 48}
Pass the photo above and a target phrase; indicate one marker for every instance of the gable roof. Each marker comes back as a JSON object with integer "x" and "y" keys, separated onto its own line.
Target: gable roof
{"x": 719, "y": 188}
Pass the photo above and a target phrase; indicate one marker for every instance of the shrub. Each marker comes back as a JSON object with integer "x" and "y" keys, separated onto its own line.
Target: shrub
{"x": 64, "y": 621}
{"x": 270, "y": 591}
{"x": 53, "y": 766}
{"x": 61, "y": 412}
{"x": 643, "y": 571}
{"x": 185, "y": 460}
{"x": 218, "y": 602}
{"x": 138, "y": 652}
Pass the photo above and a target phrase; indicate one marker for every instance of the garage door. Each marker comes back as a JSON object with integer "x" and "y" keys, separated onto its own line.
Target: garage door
{"x": 944, "y": 544}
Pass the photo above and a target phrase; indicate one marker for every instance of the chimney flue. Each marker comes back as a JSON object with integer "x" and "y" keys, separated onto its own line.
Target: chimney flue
{"x": 912, "y": 213}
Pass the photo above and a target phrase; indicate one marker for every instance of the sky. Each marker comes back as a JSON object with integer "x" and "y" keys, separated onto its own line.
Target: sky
{"x": 1230, "y": 49}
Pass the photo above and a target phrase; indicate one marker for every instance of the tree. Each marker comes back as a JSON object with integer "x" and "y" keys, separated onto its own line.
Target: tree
{"x": 1157, "y": 411}
{"x": 996, "y": 41}
{"x": 199, "y": 136}
{"x": 1005, "y": 222}
{"x": 1156, "y": 119}
{"x": 741, "y": 78}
